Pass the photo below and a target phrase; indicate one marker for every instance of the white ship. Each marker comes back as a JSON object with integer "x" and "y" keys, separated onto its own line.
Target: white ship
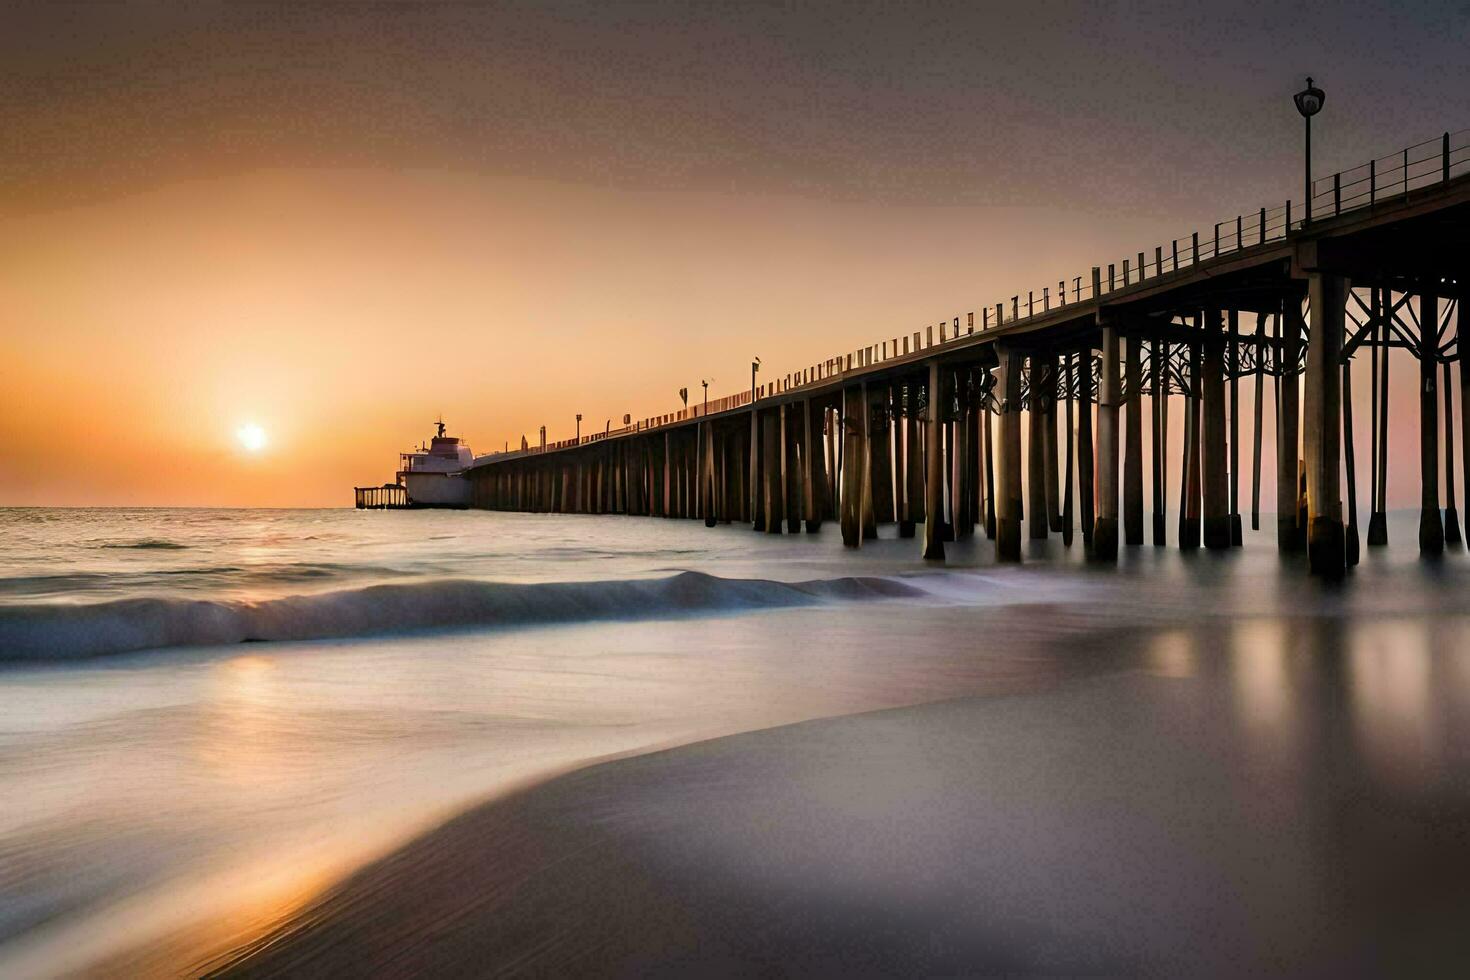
{"x": 431, "y": 476}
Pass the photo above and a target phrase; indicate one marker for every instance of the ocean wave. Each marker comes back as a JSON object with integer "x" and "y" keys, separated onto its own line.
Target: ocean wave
{"x": 53, "y": 631}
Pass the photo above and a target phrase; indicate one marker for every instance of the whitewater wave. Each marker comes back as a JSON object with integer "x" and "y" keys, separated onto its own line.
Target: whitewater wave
{"x": 51, "y": 632}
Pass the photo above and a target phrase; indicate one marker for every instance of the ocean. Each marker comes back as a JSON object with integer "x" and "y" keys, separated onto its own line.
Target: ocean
{"x": 210, "y": 717}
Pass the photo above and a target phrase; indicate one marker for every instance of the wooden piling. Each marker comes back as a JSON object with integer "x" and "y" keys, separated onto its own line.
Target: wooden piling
{"x": 1288, "y": 535}
{"x": 1451, "y": 515}
{"x": 1350, "y": 544}
{"x": 1380, "y": 311}
{"x": 814, "y": 459}
{"x": 1086, "y": 471}
{"x": 1232, "y": 365}
{"x": 1256, "y": 435}
{"x": 851, "y": 489}
{"x": 1216, "y": 503}
{"x": 1133, "y": 440}
{"x": 1049, "y": 444}
{"x": 774, "y": 484}
{"x": 1321, "y": 424}
{"x": 987, "y": 439}
{"x": 1189, "y": 471}
{"x": 880, "y": 452}
{"x": 1071, "y": 447}
{"x": 1105, "y": 530}
{"x": 934, "y": 467}
{"x": 1431, "y": 527}
{"x": 1008, "y": 457}
{"x": 1036, "y": 527}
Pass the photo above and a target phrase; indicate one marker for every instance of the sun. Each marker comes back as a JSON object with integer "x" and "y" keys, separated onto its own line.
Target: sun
{"x": 251, "y": 436}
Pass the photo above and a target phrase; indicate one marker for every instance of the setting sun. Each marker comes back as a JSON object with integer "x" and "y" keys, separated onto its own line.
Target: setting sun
{"x": 251, "y": 436}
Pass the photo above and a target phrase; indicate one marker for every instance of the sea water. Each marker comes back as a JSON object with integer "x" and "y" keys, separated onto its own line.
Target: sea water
{"x": 207, "y": 716}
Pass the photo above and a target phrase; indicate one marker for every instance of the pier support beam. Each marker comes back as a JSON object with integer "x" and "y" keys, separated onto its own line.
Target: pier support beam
{"x": 880, "y": 453}
{"x": 1105, "y": 532}
{"x": 1133, "y": 441}
{"x": 1008, "y": 457}
{"x": 1288, "y": 536}
{"x": 1036, "y": 495}
{"x": 1378, "y": 520}
{"x": 1068, "y": 479}
{"x": 1189, "y": 470}
{"x": 914, "y": 435}
{"x": 814, "y": 457}
{"x": 1049, "y": 473}
{"x": 1322, "y": 411}
{"x": 1256, "y": 436}
{"x": 1431, "y": 528}
{"x": 851, "y": 492}
{"x": 791, "y": 451}
{"x": 1451, "y": 516}
{"x": 1159, "y": 360}
{"x": 934, "y": 466}
{"x": 1216, "y": 493}
{"x": 1086, "y": 471}
{"x": 1232, "y": 366}
{"x": 774, "y": 485}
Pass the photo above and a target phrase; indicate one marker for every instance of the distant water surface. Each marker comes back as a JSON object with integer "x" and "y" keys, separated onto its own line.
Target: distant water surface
{"x": 170, "y": 788}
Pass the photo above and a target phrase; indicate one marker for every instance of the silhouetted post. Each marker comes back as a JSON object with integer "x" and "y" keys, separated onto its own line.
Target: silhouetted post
{"x": 1233, "y": 367}
{"x": 1256, "y": 440}
{"x": 1162, "y": 375}
{"x": 1451, "y": 516}
{"x": 870, "y": 522}
{"x": 1008, "y": 457}
{"x": 1322, "y": 410}
{"x": 852, "y": 466}
{"x": 1105, "y": 531}
{"x": 1216, "y": 494}
{"x": 1160, "y": 388}
{"x": 774, "y": 486}
{"x": 814, "y": 458}
{"x": 1086, "y": 472}
{"x": 987, "y": 438}
{"x": 1036, "y": 527}
{"x": 1462, "y": 328}
{"x": 707, "y": 473}
{"x": 754, "y": 510}
{"x": 1378, "y": 522}
{"x": 934, "y": 467}
{"x": 914, "y": 451}
{"x": 1189, "y": 472}
{"x": 791, "y": 452}
{"x": 1431, "y": 529}
{"x": 1350, "y": 544}
{"x": 1067, "y": 512}
{"x": 880, "y": 452}
{"x": 1287, "y": 533}
{"x": 1049, "y": 443}
{"x": 1133, "y": 441}
{"x": 901, "y": 461}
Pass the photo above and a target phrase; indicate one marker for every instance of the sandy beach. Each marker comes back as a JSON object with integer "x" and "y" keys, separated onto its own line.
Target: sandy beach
{"x": 1125, "y": 825}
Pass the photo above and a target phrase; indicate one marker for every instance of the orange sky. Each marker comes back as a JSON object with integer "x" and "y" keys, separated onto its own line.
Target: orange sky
{"x": 339, "y": 222}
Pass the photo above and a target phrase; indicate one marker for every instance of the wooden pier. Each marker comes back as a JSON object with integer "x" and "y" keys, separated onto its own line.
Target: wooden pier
{"x": 390, "y": 496}
{"x": 924, "y": 428}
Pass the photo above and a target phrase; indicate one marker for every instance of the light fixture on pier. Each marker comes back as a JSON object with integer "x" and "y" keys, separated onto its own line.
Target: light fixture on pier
{"x": 1309, "y": 102}
{"x": 705, "y": 382}
{"x": 579, "y": 427}
{"x": 755, "y": 366}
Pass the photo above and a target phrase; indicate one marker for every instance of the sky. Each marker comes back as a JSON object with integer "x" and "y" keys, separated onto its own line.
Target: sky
{"x": 338, "y": 221}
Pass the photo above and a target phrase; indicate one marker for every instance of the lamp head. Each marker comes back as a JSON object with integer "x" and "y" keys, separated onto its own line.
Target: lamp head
{"x": 1309, "y": 100}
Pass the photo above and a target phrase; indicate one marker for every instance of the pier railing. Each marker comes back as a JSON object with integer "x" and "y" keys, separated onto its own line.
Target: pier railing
{"x": 1394, "y": 177}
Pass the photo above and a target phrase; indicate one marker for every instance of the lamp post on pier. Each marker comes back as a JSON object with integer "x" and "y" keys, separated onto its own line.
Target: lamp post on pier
{"x": 1309, "y": 102}
{"x": 579, "y": 428}
{"x": 705, "y": 382}
{"x": 755, "y": 366}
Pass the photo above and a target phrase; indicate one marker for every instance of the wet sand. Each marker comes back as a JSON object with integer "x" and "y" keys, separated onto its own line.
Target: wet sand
{"x": 1130, "y": 823}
